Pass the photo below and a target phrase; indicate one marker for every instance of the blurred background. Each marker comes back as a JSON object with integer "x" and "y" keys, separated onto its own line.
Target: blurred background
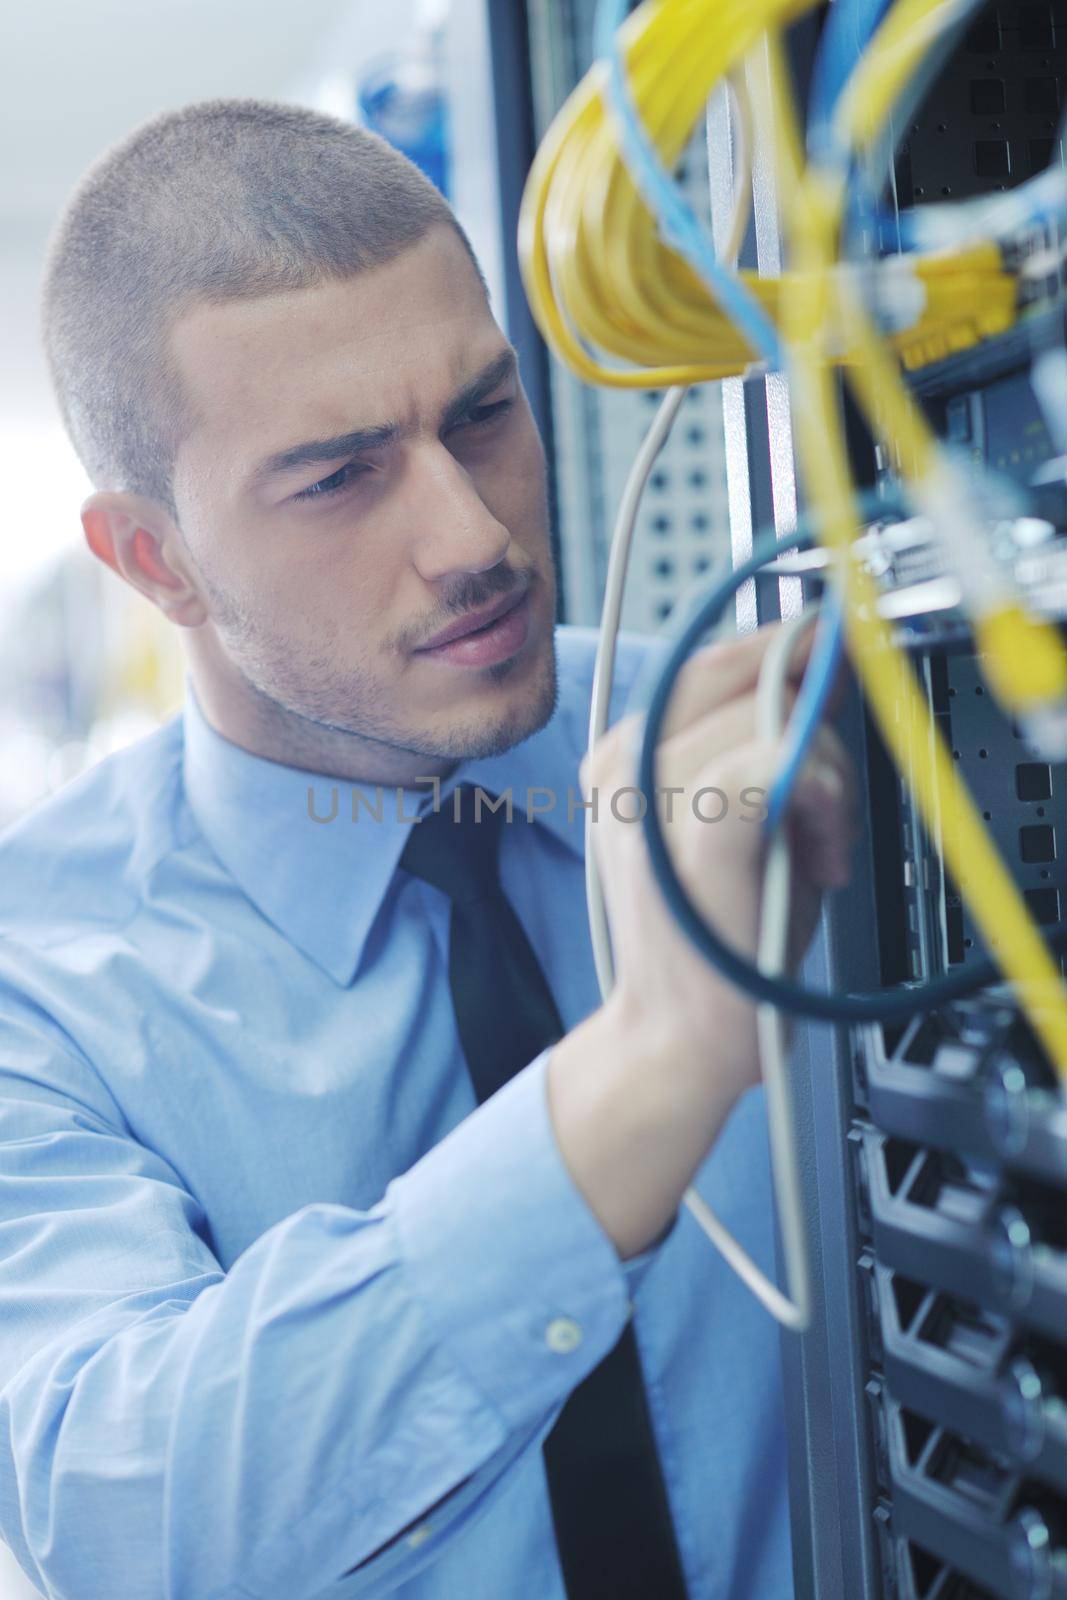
{"x": 466, "y": 87}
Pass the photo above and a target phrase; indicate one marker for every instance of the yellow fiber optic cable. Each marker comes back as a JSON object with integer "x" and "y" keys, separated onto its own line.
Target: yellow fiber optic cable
{"x": 578, "y": 144}
{"x": 598, "y": 274}
{"x": 949, "y": 814}
{"x": 595, "y": 269}
{"x": 1023, "y": 656}
{"x": 1024, "y": 659}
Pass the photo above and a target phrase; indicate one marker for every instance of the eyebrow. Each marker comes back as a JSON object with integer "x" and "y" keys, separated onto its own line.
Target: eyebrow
{"x": 313, "y": 451}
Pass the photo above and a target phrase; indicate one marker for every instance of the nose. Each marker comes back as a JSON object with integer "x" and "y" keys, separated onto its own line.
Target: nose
{"x": 455, "y": 531}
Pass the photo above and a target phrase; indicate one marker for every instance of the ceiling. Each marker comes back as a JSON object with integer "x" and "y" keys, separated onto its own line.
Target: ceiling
{"x": 74, "y": 77}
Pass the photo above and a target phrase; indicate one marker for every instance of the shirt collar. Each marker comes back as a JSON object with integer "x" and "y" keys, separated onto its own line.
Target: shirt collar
{"x": 322, "y": 883}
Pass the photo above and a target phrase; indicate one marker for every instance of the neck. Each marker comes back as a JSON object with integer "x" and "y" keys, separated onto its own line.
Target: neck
{"x": 247, "y": 718}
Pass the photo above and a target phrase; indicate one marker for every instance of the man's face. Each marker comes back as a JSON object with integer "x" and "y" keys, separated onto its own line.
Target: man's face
{"x": 364, "y": 470}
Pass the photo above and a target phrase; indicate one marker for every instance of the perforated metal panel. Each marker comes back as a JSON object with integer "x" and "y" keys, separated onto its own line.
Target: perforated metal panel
{"x": 989, "y": 120}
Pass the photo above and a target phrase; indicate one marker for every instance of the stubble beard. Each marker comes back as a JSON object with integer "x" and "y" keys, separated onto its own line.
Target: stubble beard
{"x": 316, "y": 694}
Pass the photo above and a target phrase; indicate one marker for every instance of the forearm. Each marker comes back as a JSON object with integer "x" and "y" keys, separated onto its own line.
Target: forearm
{"x": 173, "y": 1429}
{"x": 635, "y": 1112}
{"x": 244, "y": 1435}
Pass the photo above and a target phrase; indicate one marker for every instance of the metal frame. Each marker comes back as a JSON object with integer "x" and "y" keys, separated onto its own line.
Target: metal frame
{"x": 834, "y": 1550}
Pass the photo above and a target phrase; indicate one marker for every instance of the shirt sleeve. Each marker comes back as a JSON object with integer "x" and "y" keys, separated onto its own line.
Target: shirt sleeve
{"x": 170, "y": 1428}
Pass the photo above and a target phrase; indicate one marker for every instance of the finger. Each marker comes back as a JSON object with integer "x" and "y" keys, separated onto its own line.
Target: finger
{"x": 720, "y": 672}
{"x": 617, "y": 753}
{"x": 682, "y": 755}
{"x": 828, "y": 748}
{"x": 822, "y": 861}
{"x": 723, "y": 729}
{"x": 689, "y": 752}
{"x": 821, "y": 847}
{"x": 821, "y": 822}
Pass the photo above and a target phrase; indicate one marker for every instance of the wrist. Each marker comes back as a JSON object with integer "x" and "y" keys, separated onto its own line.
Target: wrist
{"x": 688, "y": 1062}
{"x": 635, "y": 1110}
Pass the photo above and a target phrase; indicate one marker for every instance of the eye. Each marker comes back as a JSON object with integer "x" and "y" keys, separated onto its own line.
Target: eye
{"x": 482, "y": 416}
{"x": 335, "y": 482}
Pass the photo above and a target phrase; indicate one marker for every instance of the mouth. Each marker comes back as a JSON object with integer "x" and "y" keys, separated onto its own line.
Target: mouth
{"x": 502, "y": 636}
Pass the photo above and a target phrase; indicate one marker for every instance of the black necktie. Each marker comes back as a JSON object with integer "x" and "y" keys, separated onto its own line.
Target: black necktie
{"x": 609, "y": 1505}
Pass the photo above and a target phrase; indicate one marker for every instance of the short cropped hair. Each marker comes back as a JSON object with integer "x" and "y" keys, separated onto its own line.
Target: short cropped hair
{"x": 222, "y": 200}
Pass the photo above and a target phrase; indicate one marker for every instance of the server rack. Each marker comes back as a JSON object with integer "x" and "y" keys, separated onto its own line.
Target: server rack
{"x": 928, "y": 1405}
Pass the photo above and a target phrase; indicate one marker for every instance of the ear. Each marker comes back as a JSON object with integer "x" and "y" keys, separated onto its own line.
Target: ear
{"x": 139, "y": 540}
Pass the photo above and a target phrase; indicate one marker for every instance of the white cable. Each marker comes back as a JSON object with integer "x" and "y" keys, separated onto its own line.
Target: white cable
{"x": 792, "y": 1311}
{"x": 604, "y": 667}
{"x": 774, "y": 918}
{"x": 626, "y": 518}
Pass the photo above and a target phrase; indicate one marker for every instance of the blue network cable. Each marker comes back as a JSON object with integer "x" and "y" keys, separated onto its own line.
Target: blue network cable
{"x": 679, "y": 227}
{"x": 810, "y": 703}
{"x": 849, "y": 27}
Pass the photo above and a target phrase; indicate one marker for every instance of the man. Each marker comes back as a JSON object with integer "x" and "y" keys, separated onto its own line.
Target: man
{"x": 291, "y": 1306}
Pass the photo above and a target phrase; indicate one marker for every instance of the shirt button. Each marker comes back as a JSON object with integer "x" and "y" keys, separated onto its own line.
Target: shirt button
{"x": 563, "y": 1335}
{"x": 419, "y": 1535}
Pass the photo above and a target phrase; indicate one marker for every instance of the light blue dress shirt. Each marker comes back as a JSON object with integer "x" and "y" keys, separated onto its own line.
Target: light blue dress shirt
{"x": 282, "y": 1315}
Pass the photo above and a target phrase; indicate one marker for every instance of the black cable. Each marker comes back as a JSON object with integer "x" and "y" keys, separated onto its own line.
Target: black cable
{"x": 878, "y": 1005}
